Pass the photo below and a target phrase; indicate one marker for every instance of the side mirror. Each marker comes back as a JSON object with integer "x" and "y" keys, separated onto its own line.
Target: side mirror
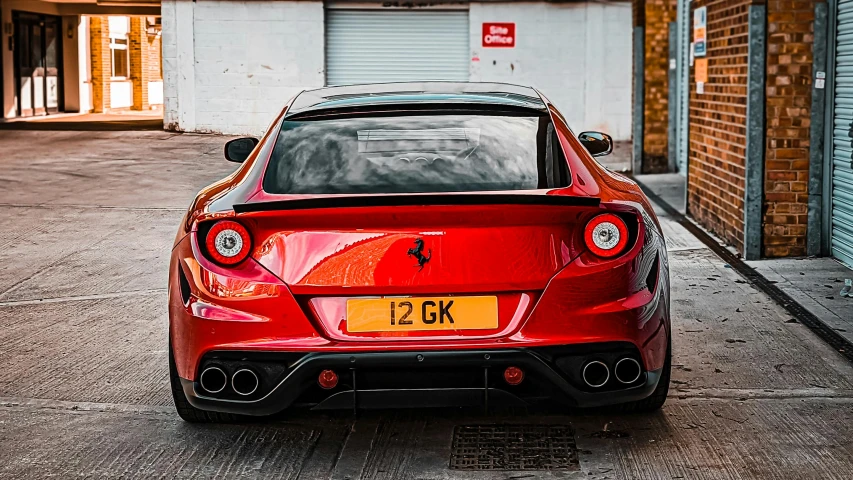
{"x": 598, "y": 144}
{"x": 239, "y": 149}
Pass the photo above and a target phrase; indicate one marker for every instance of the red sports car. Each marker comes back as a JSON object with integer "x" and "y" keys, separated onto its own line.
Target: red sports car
{"x": 418, "y": 244}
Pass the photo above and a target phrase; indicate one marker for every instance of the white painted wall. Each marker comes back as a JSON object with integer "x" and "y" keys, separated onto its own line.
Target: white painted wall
{"x": 84, "y": 65}
{"x": 230, "y": 66}
{"x": 155, "y": 93}
{"x": 577, "y": 54}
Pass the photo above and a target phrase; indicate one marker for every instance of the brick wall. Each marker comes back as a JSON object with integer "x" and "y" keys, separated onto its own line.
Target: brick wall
{"x": 718, "y": 124}
{"x": 789, "y": 72}
{"x": 657, "y": 15}
{"x": 155, "y": 64}
{"x": 138, "y": 45}
{"x": 99, "y": 45}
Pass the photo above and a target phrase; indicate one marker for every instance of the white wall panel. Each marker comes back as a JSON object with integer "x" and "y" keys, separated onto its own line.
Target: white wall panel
{"x": 577, "y": 54}
{"x": 229, "y": 66}
{"x": 241, "y": 64}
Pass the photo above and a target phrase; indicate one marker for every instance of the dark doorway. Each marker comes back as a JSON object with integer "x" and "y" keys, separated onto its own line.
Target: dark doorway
{"x": 38, "y": 63}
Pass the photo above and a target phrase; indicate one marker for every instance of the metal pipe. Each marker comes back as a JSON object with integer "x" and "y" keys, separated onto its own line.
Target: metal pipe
{"x": 595, "y": 374}
{"x": 244, "y": 382}
{"x": 213, "y": 379}
{"x": 627, "y": 370}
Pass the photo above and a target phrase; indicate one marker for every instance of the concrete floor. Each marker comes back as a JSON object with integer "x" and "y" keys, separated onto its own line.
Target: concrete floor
{"x": 88, "y": 220}
{"x": 816, "y": 284}
{"x": 813, "y": 282}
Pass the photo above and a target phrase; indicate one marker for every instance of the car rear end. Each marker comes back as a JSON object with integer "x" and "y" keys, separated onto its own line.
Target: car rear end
{"x": 419, "y": 257}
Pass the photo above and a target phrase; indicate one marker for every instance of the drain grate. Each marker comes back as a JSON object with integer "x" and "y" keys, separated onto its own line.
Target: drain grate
{"x": 514, "y": 447}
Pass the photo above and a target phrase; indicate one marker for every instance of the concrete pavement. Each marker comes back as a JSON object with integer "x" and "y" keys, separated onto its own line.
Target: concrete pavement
{"x": 88, "y": 219}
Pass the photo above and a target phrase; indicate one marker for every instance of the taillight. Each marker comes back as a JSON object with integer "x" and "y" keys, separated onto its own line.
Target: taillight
{"x": 606, "y": 235}
{"x": 228, "y": 242}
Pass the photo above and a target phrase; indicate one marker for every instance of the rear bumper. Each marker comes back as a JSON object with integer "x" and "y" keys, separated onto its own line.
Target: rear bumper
{"x": 420, "y": 378}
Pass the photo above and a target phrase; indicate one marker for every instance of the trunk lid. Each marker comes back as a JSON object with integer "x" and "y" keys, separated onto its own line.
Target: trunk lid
{"x": 417, "y": 244}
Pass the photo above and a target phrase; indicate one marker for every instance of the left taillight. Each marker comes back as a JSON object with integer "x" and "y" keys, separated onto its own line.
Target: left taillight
{"x": 228, "y": 242}
{"x": 606, "y": 235}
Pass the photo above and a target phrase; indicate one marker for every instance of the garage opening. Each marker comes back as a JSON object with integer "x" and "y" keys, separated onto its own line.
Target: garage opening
{"x": 369, "y": 46}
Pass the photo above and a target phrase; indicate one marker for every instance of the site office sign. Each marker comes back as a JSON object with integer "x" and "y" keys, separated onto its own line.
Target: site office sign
{"x": 498, "y": 35}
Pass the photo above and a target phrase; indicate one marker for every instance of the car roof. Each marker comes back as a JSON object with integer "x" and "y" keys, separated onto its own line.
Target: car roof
{"x": 417, "y": 93}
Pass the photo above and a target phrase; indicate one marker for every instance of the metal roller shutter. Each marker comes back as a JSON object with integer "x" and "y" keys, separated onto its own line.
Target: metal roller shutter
{"x": 369, "y": 46}
{"x": 841, "y": 228}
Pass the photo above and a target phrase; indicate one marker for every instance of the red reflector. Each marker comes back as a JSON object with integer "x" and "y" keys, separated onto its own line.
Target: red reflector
{"x": 328, "y": 379}
{"x": 513, "y": 375}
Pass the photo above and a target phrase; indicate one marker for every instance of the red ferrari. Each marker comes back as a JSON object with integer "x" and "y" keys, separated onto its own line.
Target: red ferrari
{"x": 418, "y": 244}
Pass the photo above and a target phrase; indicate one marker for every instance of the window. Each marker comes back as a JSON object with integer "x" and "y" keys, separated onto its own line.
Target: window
{"x": 416, "y": 153}
{"x": 119, "y": 53}
{"x": 120, "y": 57}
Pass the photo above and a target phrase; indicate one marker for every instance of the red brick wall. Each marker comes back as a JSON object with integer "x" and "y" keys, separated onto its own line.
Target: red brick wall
{"x": 138, "y": 45}
{"x": 99, "y": 44}
{"x": 790, "y": 27}
{"x": 715, "y": 181}
{"x": 657, "y": 15}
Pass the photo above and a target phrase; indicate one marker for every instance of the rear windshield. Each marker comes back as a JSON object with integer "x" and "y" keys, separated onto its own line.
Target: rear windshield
{"x": 416, "y": 154}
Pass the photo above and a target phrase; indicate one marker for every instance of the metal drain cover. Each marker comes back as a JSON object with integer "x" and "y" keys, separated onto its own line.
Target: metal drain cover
{"x": 514, "y": 447}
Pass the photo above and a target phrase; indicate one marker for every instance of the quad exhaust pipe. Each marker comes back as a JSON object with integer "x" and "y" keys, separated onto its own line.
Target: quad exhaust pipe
{"x": 627, "y": 370}
{"x": 595, "y": 374}
{"x": 214, "y": 380}
{"x": 244, "y": 382}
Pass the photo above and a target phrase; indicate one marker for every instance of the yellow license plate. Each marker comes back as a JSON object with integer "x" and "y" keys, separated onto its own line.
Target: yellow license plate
{"x": 422, "y": 313}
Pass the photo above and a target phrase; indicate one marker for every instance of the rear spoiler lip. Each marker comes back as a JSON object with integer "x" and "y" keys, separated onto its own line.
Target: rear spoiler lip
{"x": 356, "y": 201}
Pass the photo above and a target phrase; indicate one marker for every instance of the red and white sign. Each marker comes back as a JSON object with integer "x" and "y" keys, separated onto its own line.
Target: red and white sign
{"x": 500, "y": 35}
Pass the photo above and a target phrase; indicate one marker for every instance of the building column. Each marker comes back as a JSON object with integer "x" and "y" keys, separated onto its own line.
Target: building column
{"x": 753, "y": 201}
{"x": 139, "y": 73}
{"x": 101, "y": 63}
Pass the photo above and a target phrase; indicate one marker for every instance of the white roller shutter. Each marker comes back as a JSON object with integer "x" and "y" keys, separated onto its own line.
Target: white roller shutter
{"x": 841, "y": 232}
{"x": 371, "y": 46}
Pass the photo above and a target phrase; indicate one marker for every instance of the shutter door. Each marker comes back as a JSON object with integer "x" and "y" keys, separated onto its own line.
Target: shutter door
{"x": 841, "y": 228}
{"x": 370, "y": 46}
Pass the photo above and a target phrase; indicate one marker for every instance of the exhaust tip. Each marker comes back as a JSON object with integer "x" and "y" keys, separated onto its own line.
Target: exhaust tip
{"x": 213, "y": 380}
{"x": 627, "y": 370}
{"x": 595, "y": 374}
{"x": 244, "y": 382}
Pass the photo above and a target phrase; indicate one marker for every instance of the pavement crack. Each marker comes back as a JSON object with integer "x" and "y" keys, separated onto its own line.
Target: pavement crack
{"x": 64, "y": 405}
{"x": 78, "y": 298}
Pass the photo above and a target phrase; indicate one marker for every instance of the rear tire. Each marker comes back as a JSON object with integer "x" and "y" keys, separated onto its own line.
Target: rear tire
{"x": 655, "y": 401}
{"x": 185, "y": 410}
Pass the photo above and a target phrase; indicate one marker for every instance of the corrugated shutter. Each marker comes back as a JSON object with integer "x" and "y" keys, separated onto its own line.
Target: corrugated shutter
{"x": 841, "y": 232}
{"x": 369, "y": 46}
{"x": 683, "y": 70}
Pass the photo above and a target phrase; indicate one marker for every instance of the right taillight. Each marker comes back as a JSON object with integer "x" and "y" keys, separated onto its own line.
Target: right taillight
{"x": 606, "y": 235}
{"x": 228, "y": 242}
